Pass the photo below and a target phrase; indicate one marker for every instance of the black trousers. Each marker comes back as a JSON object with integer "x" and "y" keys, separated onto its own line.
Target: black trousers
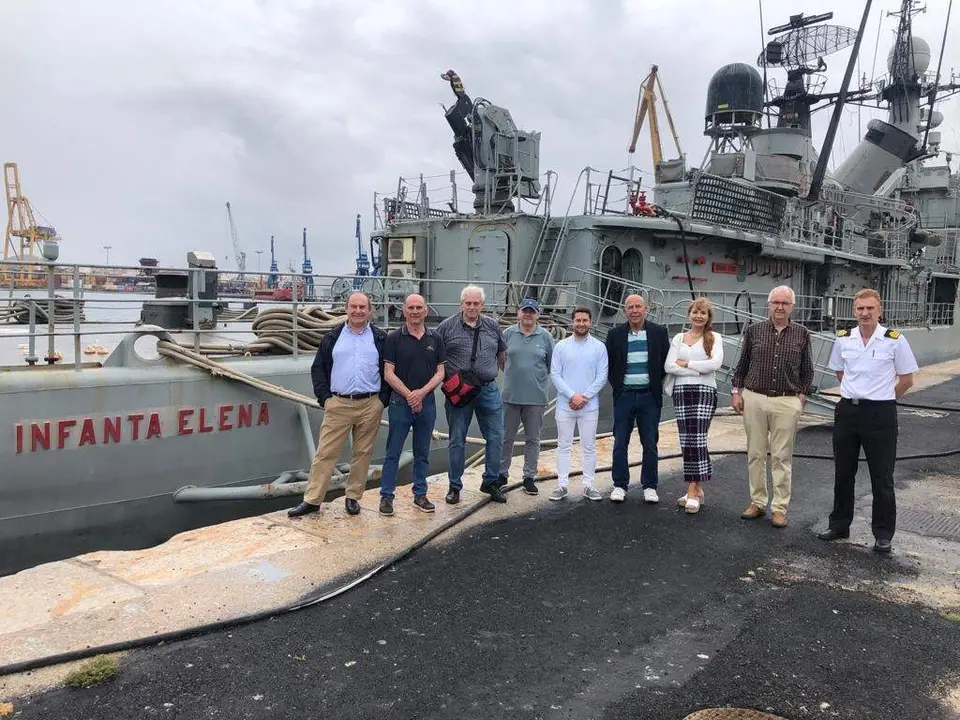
{"x": 872, "y": 425}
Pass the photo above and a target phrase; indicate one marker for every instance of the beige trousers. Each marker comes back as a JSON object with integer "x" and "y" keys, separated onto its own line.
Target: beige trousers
{"x": 770, "y": 424}
{"x": 340, "y": 417}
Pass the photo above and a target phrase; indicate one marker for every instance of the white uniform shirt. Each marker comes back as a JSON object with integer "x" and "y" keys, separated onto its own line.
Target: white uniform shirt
{"x": 870, "y": 371}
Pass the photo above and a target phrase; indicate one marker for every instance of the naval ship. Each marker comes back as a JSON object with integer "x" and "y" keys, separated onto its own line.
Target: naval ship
{"x": 203, "y": 412}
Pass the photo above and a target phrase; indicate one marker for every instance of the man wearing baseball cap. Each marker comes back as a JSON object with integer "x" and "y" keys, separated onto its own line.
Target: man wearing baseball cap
{"x": 526, "y": 377}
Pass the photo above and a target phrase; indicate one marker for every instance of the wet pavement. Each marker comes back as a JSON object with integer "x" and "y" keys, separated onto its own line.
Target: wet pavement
{"x": 597, "y": 610}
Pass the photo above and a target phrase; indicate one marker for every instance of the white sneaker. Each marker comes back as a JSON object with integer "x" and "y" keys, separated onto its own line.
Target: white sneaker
{"x": 650, "y": 495}
{"x": 618, "y": 494}
{"x": 591, "y": 493}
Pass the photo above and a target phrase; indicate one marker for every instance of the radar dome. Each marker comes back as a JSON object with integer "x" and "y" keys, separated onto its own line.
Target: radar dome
{"x": 918, "y": 57}
{"x": 734, "y": 89}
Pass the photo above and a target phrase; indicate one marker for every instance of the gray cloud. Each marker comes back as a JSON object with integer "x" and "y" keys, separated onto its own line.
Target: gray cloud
{"x": 138, "y": 123}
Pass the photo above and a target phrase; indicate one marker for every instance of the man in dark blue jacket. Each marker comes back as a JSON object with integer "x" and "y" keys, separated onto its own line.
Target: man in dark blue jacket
{"x": 348, "y": 381}
{"x": 636, "y": 352}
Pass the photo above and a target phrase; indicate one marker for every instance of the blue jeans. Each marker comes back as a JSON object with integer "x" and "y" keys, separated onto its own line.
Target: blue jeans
{"x": 642, "y": 408}
{"x": 488, "y": 408}
{"x": 402, "y": 418}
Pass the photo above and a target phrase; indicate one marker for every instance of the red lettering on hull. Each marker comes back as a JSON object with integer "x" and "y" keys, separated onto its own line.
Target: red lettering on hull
{"x": 138, "y": 427}
{"x": 224, "y": 423}
{"x": 153, "y": 429}
{"x": 204, "y": 428}
{"x": 87, "y": 434}
{"x": 39, "y": 435}
{"x": 245, "y": 415}
{"x": 63, "y": 432}
{"x": 111, "y": 430}
{"x": 182, "y": 418}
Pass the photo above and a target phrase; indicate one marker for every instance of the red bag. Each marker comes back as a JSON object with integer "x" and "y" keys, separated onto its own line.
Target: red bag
{"x": 463, "y": 386}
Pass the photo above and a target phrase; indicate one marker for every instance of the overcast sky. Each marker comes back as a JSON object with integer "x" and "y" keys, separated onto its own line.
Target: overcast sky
{"x": 133, "y": 122}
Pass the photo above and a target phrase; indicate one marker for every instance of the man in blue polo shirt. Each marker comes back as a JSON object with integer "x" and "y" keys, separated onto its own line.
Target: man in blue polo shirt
{"x": 413, "y": 367}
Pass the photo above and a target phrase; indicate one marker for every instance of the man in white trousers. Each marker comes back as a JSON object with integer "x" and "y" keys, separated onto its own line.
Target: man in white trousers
{"x": 578, "y": 371}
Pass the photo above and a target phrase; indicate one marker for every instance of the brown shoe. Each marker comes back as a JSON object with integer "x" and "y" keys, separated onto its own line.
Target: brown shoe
{"x": 752, "y": 512}
{"x": 778, "y": 519}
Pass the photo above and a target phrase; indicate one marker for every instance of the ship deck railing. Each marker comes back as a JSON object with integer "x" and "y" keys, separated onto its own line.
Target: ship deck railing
{"x": 70, "y": 286}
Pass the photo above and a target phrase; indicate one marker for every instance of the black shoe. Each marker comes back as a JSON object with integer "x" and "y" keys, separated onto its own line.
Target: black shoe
{"x": 502, "y": 480}
{"x": 832, "y": 534}
{"x": 421, "y": 502}
{"x": 453, "y": 497}
{"x": 303, "y": 508}
{"x": 530, "y": 486}
{"x": 495, "y": 493}
{"x": 353, "y": 507}
{"x": 386, "y": 506}
{"x": 882, "y": 545}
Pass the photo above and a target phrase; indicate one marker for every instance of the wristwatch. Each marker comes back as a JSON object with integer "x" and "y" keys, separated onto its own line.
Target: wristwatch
{"x": 734, "y": 391}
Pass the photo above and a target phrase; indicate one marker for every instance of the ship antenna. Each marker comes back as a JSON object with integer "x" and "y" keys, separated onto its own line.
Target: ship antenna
{"x": 821, "y": 170}
{"x": 936, "y": 82}
{"x": 766, "y": 90}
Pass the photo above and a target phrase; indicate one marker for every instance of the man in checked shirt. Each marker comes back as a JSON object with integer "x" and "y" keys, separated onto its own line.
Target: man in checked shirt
{"x": 770, "y": 386}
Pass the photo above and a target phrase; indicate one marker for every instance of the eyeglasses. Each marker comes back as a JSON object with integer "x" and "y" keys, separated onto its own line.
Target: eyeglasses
{"x": 784, "y": 303}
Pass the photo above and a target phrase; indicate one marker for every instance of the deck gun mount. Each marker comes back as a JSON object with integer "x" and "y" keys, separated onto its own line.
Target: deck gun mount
{"x": 502, "y": 161}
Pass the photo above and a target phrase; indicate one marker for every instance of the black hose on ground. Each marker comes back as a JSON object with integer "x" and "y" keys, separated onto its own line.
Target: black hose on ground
{"x": 324, "y": 596}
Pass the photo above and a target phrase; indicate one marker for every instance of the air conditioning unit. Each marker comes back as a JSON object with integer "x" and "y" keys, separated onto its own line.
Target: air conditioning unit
{"x": 401, "y": 249}
{"x": 406, "y": 271}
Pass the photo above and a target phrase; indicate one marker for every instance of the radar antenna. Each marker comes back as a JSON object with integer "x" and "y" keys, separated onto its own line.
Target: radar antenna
{"x": 799, "y": 48}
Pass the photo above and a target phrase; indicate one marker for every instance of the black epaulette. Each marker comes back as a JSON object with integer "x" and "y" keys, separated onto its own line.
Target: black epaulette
{"x": 842, "y": 333}
{"x": 893, "y": 334}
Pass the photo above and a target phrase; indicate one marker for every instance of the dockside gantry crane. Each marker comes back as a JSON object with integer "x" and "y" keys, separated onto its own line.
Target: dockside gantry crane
{"x": 239, "y": 255}
{"x": 23, "y": 241}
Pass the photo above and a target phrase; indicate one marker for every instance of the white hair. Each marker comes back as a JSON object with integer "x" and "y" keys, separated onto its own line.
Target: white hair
{"x": 783, "y": 288}
{"x": 472, "y": 289}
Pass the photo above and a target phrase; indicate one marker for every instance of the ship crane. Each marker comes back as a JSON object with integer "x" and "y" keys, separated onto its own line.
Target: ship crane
{"x": 647, "y": 105}
{"x": 307, "y": 269}
{"x": 273, "y": 279}
{"x": 239, "y": 255}
{"x": 24, "y": 239}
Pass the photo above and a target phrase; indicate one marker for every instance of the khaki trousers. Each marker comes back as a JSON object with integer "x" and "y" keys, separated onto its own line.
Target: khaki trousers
{"x": 340, "y": 417}
{"x": 770, "y": 424}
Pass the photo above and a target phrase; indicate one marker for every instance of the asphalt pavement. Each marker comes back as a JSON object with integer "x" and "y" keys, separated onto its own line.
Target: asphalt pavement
{"x": 589, "y": 610}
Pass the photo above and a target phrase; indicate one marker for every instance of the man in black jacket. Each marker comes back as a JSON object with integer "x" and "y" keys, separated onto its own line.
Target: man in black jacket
{"x": 348, "y": 382}
{"x": 636, "y": 352}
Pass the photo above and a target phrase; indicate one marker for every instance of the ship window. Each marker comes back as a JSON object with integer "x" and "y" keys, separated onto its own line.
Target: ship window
{"x": 632, "y": 266}
{"x": 611, "y": 266}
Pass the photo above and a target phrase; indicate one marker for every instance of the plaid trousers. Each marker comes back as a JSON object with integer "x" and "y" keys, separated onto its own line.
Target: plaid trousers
{"x": 695, "y": 405}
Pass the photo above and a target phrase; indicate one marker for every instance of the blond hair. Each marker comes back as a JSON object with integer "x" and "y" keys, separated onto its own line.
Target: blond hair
{"x": 870, "y": 293}
{"x": 701, "y": 303}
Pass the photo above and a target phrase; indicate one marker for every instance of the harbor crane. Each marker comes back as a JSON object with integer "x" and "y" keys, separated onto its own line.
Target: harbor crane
{"x": 307, "y": 269}
{"x": 239, "y": 255}
{"x": 273, "y": 279}
{"x": 647, "y": 105}
{"x": 24, "y": 239}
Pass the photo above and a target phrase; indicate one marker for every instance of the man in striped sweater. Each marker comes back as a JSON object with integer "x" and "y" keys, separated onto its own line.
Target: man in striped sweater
{"x": 636, "y": 352}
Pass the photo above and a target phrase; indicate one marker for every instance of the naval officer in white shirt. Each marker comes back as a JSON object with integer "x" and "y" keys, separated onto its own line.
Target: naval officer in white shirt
{"x": 875, "y": 366}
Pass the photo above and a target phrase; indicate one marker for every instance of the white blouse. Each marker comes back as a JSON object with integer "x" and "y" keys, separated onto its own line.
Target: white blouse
{"x": 702, "y": 369}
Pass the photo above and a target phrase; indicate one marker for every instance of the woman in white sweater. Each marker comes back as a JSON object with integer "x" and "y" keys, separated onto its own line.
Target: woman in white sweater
{"x": 693, "y": 361}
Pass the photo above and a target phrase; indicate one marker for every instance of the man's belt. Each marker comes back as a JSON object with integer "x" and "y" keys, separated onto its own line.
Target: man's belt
{"x": 355, "y": 396}
{"x": 775, "y": 393}
{"x": 862, "y": 401}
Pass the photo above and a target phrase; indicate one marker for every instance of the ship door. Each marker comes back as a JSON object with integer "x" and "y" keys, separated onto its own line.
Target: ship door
{"x": 943, "y": 294}
{"x": 611, "y": 268}
{"x": 632, "y": 267}
{"x": 488, "y": 253}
